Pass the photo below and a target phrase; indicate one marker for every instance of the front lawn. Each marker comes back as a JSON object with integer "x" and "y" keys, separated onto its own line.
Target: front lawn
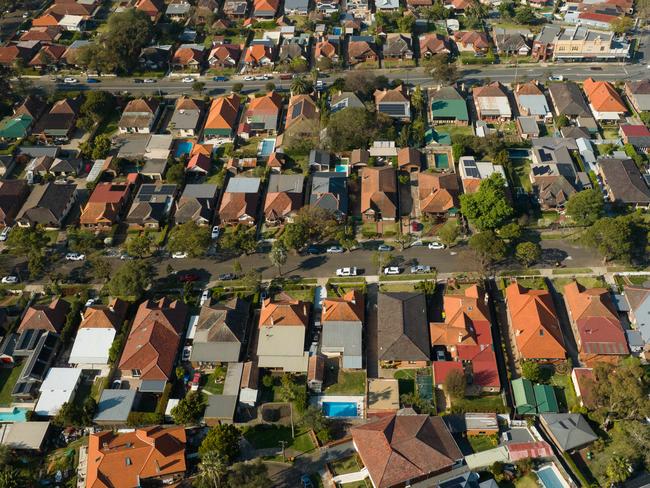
{"x": 8, "y": 378}
{"x": 481, "y": 443}
{"x": 345, "y": 466}
{"x": 586, "y": 281}
{"x": 268, "y": 436}
{"x": 347, "y": 383}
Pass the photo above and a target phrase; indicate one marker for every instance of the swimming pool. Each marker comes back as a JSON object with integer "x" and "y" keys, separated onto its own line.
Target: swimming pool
{"x": 550, "y": 478}
{"x": 341, "y": 168}
{"x": 442, "y": 161}
{"x": 266, "y": 147}
{"x": 183, "y": 147}
{"x": 340, "y": 409}
{"x": 14, "y": 415}
{"x": 519, "y": 153}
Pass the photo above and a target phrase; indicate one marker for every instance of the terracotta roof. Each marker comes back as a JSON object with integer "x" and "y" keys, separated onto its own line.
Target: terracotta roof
{"x": 202, "y": 149}
{"x": 46, "y": 317}
{"x": 409, "y": 156}
{"x": 223, "y": 52}
{"x": 358, "y": 49}
{"x": 477, "y": 39}
{"x": 223, "y": 112}
{"x": 399, "y": 448}
{"x": 129, "y": 458}
{"x": 105, "y": 203}
{"x": 530, "y": 88}
{"x": 186, "y": 55}
{"x": 603, "y": 97}
{"x": 596, "y": 319}
{"x": 201, "y": 161}
{"x": 142, "y": 105}
{"x": 43, "y": 33}
{"x": 438, "y": 192}
{"x": 378, "y": 191}
{"x": 284, "y": 311}
{"x": 301, "y": 107}
{"x": 316, "y": 367}
{"x": 326, "y": 49}
{"x": 535, "y": 323}
{"x": 433, "y": 44}
{"x": 48, "y": 55}
{"x": 397, "y": 94}
{"x": 495, "y": 89}
{"x": 270, "y": 104}
{"x": 256, "y": 52}
{"x": 47, "y": 20}
{"x": 108, "y": 316}
{"x": 266, "y": 5}
{"x": 150, "y": 7}
{"x": 235, "y": 205}
{"x": 276, "y": 160}
{"x": 348, "y": 308}
{"x": 584, "y": 377}
{"x": 441, "y": 370}
{"x": 187, "y": 103}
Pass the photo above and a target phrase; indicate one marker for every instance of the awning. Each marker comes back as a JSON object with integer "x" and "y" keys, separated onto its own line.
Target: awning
{"x": 153, "y": 386}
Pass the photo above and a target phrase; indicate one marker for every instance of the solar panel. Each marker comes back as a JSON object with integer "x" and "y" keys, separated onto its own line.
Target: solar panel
{"x": 147, "y": 189}
{"x": 145, "y": 198}
{"x": 472, "y": 172}
{"x": 392, "y": 108}
{"x": 297, "y": 110}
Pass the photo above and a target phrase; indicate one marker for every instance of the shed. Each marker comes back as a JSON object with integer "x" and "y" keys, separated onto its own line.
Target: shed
{"x": 114, "y": 407}
{"x": 24, "y": 436}
{"x": 545, "y": 399}
{"x": 524, "y": 396}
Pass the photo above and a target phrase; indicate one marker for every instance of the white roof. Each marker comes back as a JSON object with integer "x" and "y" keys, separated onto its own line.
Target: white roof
{"x": 91, "y": 346}
{"x": 59, "y": 387}
{"x": 71, "y": 20}
{"x": 191, "y": 330}
{"x": 494, "y": 105}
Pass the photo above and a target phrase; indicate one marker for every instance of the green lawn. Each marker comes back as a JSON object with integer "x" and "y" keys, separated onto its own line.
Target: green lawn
{"x": 481, "y": 443}
{"x": 348, "y": 383}
{"x": 304, "y": 295}
{"x": 528, "y": 481}
{"x": 569, "y": 399}
{"x": 357, "y": 484}
{"x": 406, "y": 381}
{"x": 267, "y": 436}
{"x": 484, "y": 403}
{"x": 586, "y": 281}
{"x": 520, "y": 172}
{"x": 213, "y": 382}
{"x": 8, "y": 378}
{"x": 455, "y": 130}
{"x": 345, "y": 465}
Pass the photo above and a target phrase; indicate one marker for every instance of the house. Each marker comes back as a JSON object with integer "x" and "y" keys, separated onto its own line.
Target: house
{"x": 466, "y": 335}
{"x": 59, "y": 387}
{"x": 568, "y": 100}
{"x": 535, "y": 324}
{"x": 60, "y": 122}
{"x": 221, "y": 121}
{"x": 329, "y": 191}
{"x": 189, "y": 57}
{"x": 387, "y": 5}
{"x": 405, "y": 448}
{"x": 48, "y": 56}
{"x": 583, "y": 44}
{"x": 378, "y": 193}
{"x": 98, "y": 328}
{"x": 220, "y": 332}
{"x": 624, "y": 182}
{"x": 26, "y": 436}
{"x": 637, "y": 299}
{"x": 361, "y": 50}
{"x": 265, "y": 8}
{"x": 472, "y": 172}
{"x": 155, "y": 57}
{"x": 235, "y": 9}
{"x": 49, "y": 318}
{"x": 397, "y": 47}
{"x": 153, "y": 8}
{"x": 39, "y": 349}
{"x": 262, "y": 115}
{"x": 220, "y": 409}
{"x": 284, "y": 197}
{"x": 106, "y": 206}
{"x": 199, "y": 163}
{"x": 260, "y": 54}
{"x": 638, "y": 93}
{"x": 48, "y": 165}
{"x": 296, "y": 7}
{"x": 342, "y": 100}
{"x": 438, "y": 194}
{"x": 448, "y": 106}
{"x": 45, "y": 34}
{"x": 139, "y": 116}
{"x": 290, "y": 51}
{"x": 604, "y": 100}
{"x": 282, "y": 327}
{"x": 511, "y": 42}
{"x": 196, "y": 204}
{"x": 151, "y": 206}
{"x": 186, "y": 117}
{"x": 327, "y": 49}
{"x": 395, "y": 102}
{"x": 492, "y": 102}
{"x": 18, "y": 53}
{"x": 403, "y": 334}
{"x": 151, "y": 348}
{"x": 15, "y": 127}
{"x": 568, "y": 431}
{"x": 48, "y": 205}
{"x": 224, "y": 56}
{"x": 316, "y": 372}
{"x": 157, "y": 153}
{"x": 432, "y": 44}
{"x": 472, "y": 41}
{"x": 302, "y": 119}
{"x": 342, "y": 329}
{"x": 142, "y": 456}
{"x": 544, "y": 42}
{"x": 178, "y": 11}
{"x": 13, "y": 194}
{"x": 637, "y": 135}
{"x": 527, "y": 127}
{"x": 595, "y": 323}
{"x": 409, "y": 159}
{"x": 239, "y": 201}
{"x": 523, "y": 396}
{"x": 531, "y": 100}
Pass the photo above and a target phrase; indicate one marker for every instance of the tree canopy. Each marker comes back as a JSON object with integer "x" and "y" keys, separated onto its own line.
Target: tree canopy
{"x": 130, "y": 280}
{"x": 224, "y": 440}
{"x": 585, "y": 207}
{"x": 488, "y": 208}
{"x": 189, "y": 410}
{"x": 355, "y": 127}
{"x": 618, "y": 238}
{"x": 488, "y": 247}
{"x": 455, "y": 384}
{"x": 528, "y": 253}
{"x": 190, "y": 238}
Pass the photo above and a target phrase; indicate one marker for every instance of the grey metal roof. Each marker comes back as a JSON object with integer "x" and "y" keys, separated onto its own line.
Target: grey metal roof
{"x": 202, "y": 190}
{"x": 152, "y": 386}
{"x": 296, "y": 5}
{"x": 536, "y": 104}
{"x": 24, "y": 435}
{"x": 38, "y": 151}
{"x": 286, "y": 183}
{"x": 221, "y": 407}
{"x": 115, "y": 406}
{"x": 243, "y": 184}
{"x": 570, "y": 430}
{"x": 528, "y": 125}
{"x": 329, "y": 190}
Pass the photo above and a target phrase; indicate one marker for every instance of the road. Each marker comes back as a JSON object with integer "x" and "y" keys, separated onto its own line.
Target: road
{"x": 503, "y": 73}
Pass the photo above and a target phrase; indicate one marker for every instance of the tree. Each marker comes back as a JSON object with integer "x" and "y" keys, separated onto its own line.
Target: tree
{"x": 278, "y": 255}
{"x": 475, "y": 13}
{"x": 612, "y": 237}
{"x": 222, "y": 439}
{"x": 10, "y": 477}
{"x": 442, "y": 71}
{"x": 449, "y": 233}
{"x": 524, "y": 14}
{"x": 138, "y": 246}
{"x": 189, "y": 410}
{"x": 237, "y": 87}
{"x": 130, "y": 280}
{"x": 531, "y": 371}
{"x": 618, "y": 470}
{"x": 190, "y": 238}
{"x": 198, "y": 87}
{"x": 355, "y": 127}
{"x": 622, "y": 24}
{"x": 301, "y": 86}
{"x": 405, "y": 23}
{"x": 488, "y": 247}
{"x": 510, "y": 232}
{"x": 240, "y": 240}
{"x": 82, "y": 241}
{"x": 248, "y": 475}
{"x": 299, "y": 65}
{"x": 507, "y": 9}
{"x": 212, "y": 470}
{"x": 314, "y": 419}
{"x": 528, "y": 253}
{"x": 488, "y": 208}
{"x": 97, "y": 105}
{"x": 101, "y": 146}
{"x": 175, "y": 173}
{"x": 267, "y": 381}
{"x": 585, "y": 207}
{"x": 562, "y": 121}
{"x": 455, "y": 384}
{"x": 101, "y": 268}
{"x": 26, "y": 240}
{"x": 269, "y": 86}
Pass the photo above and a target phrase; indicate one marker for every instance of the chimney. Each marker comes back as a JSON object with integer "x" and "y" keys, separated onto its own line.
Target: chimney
{"x": 460, "y": 337}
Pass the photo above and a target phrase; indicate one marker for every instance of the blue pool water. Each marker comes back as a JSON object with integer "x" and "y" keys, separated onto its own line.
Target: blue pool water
{"x": 341, "y": 168}
{"x": 337, "y": 31}
{"x": 549, "y": 478}
{"x": 266, "y": 147}
{"x": 340, "y": 409}
{"x": 518, "y": 153}
{"x": 183, "y": 147}
{"x": 442, "y": 161}
{"x": 17, "y": 415}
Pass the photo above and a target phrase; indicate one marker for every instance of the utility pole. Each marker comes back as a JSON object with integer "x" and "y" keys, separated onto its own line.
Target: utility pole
{"x": 283, "y": 443}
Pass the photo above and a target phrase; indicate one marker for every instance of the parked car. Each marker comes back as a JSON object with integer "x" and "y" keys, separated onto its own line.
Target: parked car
{"x": 92, "y": 80}
{"x": 220, "y": 78}
{"x": 227, "y": 276}
{"x": 262, "y": 77}
{"x": 138, "y": 81}
{"x": 436, "y": 245}
{"x": 117, "y": 384}
{"x": 10, "y": 280}
{"x": 4, "y": 234}
{"x": 420, "y": 268}
{"x": 196, "y": 381}
{"x": 215, "y": 232}
{"x": 179, "y": 255}
{"x": 306, "y": 481}
{"x": 75, "y": 256}
{"x": 286, "y": 76}
{"x": 346, "y": 271}
{"x": 187, "y": 352}
{"x": 188, "y": 278}
{"x": 70, "y": 80}
{"x": 314, "y": 250}
{"x": 556, "y": 78}
{"x": 205, "y": 296}
{"x": 188, "y": 79}
{"x": 335, "y": 249}
{"x": 150, "y": 80}
{"x": 391, "y": 270}
{"x": 90, "y": 302}
{"x": 440, "y": 355}
{"x": 417, "y": 243}
{"x": 249, "y": 78}
{"x": 384, "y": 247}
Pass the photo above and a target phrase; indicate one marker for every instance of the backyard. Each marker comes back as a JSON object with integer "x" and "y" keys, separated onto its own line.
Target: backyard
{"x": 8, "y": 378}
{"x": 520, "y": 174}
{"x": 567, "y": 398}
{"x": 483, "y": 403}
{"x": 213, "y": 382}
{"x": 344, "y": 382}
{"x": 481, "y": 443}
{"x": 268, "y": 436}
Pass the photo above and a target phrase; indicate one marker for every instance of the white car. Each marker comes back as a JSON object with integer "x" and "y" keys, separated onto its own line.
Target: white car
{"x": 179, "y": 255}
{"x": 90, "y": 302}
{"x": 4, "y": 234}
{"x": 346, "y": 271}
{"x": 261, "y": 77}
{"x": 187, "y": 352}
{"x": 9, "y": 280}
{"x": 391, "y": 270}
{"x": 205, "y": 296}
{"x": 215, "y": 232}
{"x": 249, "y": 78}
{"x": 335, "y": 249}
{"x": 188, "y": 79}
{"x": 75, "y": 256}
{"x": 70, "y": 81}
{"x": 149, "y": 80}
{"x": 436, "y": 245}
{"x": 556, "y": 78}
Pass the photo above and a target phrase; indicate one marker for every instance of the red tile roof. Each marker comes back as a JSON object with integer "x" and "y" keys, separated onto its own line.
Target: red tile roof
{"x": 441, "y": 370}
{"x": 636, "y": 130}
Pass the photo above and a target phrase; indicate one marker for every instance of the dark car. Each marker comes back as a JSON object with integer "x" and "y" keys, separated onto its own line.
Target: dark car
{"x": 220, "y": 78}
{"x": 138, "y": 80}
{"x": 188, "y": 278}
{"x": 92, "y": 80}
{"x": 227, "y": 276}
{"x": 313, "y": 250}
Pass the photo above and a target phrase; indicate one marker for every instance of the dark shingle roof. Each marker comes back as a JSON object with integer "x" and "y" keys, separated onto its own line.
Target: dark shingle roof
{"x": 403, "y": 329}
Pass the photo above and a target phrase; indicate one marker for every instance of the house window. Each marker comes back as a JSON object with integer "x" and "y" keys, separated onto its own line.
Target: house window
{"x": 136, "y": 373}
{"x": 541, "y": 332}
{"x": 128, "y": 461}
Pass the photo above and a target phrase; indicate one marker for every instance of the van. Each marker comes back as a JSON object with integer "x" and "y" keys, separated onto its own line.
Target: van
{"x": 4, "y": 234}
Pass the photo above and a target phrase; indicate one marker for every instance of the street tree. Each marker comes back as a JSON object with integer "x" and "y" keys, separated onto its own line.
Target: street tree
{"x": 240, "y": 240}
{"x": 248, "y": 475}
{"x": 510, "y": 232}
{"x": 442, "y": 70}
{"x": 139, "y": 246}
{"x": 622, "y": 25}
{"x": 130, "y": 280}
{"x": 278, "y": 255}
{"x": 198, "y": 87}
{"x": 585, "y": 207}
{"x": 612, "y": 237}
{"x": 222, "y": 439}
{"x": 489, "y": 207}
{"x": 301, "y": 86}
{"x": 528, "y": 253}
{"x": 190, "y": 238}
{"x": 487, "y": 247}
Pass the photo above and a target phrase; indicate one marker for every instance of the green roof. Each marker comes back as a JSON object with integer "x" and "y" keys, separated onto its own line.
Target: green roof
{"x": 15, "y": 127}
{"x": 522, "y": 390}
{"x": 439, "y": 137}
{"x": 449, "y": 109}
{"x": 545, "y": 398}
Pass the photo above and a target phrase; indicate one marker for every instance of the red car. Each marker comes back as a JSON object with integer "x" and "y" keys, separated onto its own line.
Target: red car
{"x": 195, "y": 382}
{"x": 188, "y": 278}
